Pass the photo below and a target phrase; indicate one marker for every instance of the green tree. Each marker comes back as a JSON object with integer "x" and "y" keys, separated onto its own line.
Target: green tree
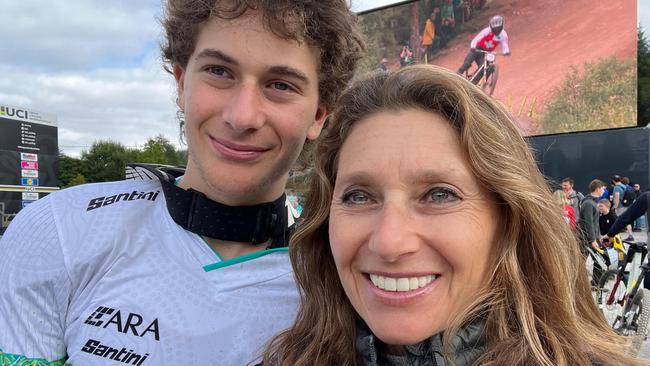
{"x": 105, "y": 161}
{"x": 159, "y": 150}
{"x": 69, "y": 168}
{"x": 78, "y": 179}
{"x": 643, "y": 75}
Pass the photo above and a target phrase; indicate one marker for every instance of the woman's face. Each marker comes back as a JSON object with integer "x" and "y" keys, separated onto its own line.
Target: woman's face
{"x": 410, "y": 228}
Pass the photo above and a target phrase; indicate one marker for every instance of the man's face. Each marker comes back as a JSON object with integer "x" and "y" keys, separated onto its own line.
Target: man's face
{"x": 567, "y": 187}
{"x": 637, "y": 187}
{"x": 250, "y": 100}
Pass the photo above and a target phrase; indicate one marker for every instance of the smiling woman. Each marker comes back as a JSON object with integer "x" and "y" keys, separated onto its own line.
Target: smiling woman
{"x": 430, "y": 238}
{"x": 391, "y": 209}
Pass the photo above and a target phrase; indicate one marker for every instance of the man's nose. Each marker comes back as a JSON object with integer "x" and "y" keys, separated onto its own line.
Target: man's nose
{"x": 244, "y": 111}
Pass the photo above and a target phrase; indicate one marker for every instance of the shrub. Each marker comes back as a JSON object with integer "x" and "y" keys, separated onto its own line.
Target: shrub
{"x": 602, "y": 96}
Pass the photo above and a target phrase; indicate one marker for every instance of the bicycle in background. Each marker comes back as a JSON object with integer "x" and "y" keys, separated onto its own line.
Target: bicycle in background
{"x": 627, "y": 307}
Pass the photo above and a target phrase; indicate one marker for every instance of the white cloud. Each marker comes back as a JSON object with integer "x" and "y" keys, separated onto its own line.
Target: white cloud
{"x": 70, "y": 35}
{"x": 94, "y": 64}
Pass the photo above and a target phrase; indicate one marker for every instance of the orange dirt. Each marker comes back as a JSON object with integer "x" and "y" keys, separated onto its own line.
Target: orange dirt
{"x": 546, "y": 38}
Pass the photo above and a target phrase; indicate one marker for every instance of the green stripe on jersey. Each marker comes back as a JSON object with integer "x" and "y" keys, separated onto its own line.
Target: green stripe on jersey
{"x": 8, "y": 359}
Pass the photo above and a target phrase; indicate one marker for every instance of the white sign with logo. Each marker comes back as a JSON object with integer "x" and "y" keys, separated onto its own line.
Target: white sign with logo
{"x": 30, "y": 196}
{"x": 28, "y": 157}
{"x": 27, "y": 173}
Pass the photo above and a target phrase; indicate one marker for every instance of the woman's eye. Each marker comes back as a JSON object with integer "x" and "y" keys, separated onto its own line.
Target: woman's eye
{"x": 355, "y": 198}
{"x": 442, "y": 195}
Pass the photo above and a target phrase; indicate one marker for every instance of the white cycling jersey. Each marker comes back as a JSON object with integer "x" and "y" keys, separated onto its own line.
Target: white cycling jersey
{"x": 100, "y": 274}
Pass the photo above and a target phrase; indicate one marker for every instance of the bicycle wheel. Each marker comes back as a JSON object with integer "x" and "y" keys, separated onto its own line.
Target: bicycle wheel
{"x": 491, "y": 80}
{"x": 612, "y": 311}
{"x": 639, "y": 319}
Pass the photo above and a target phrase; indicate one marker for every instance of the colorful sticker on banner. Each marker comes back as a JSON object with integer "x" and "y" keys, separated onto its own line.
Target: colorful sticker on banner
{"x": 28, "y": 157}
{"x": 29, "y": 181}
{"x": 29, "y": 173}
{"x": 25, "y": 203}
{"x": 29, "y": 165}
{"x": 30, "y": 196}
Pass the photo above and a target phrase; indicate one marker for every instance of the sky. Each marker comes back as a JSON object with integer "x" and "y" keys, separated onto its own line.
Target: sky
{"x": 95, "y": 64}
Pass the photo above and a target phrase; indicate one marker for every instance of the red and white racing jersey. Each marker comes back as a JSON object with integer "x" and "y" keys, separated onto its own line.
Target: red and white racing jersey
{"x": 488, "y": 41}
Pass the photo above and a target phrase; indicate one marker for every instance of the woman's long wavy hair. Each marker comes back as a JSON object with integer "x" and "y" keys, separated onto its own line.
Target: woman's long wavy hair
{"x": 536, "y": 301}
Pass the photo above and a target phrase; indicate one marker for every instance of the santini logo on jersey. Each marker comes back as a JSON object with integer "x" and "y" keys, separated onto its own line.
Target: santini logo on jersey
{"x": 129, "y": 323}
{"x": 109, "y": 200}
{"x": 120, "y": 355}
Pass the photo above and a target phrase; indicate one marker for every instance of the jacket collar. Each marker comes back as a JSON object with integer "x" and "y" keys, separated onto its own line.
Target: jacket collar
{"x": 466, "y": 347}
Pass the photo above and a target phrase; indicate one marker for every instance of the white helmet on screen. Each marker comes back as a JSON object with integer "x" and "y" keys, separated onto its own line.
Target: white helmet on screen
{"x": 496, "y": 24}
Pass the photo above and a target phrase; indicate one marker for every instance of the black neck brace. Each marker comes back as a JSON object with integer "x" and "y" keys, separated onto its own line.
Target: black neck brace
{"x": 195, "y": 212}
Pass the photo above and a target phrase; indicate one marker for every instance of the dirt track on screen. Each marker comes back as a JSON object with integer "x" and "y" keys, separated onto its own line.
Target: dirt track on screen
{"x": 547, "y": 37}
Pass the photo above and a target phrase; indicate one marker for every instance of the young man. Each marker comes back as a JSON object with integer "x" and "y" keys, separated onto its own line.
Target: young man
{"x": 573, "y": 196}
{"x": 589, "y": 226}
{"x": 588, "y": 217}
{"x": 617, "y": 202}
{"x": 193, "y": 271}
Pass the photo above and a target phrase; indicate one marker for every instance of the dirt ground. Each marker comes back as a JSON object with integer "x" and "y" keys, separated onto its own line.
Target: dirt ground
{"x": 546, "y": 37}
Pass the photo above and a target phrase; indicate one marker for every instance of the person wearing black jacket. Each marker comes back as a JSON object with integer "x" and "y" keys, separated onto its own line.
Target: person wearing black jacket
{"x": 588, "y": 225}
{"x": 607, "y": 216}
{"x": 638, "y": 208}
{"x": 633, "y": 212}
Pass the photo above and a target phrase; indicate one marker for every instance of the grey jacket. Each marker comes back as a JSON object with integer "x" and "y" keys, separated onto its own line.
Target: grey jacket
{"x": 467, "y": 346}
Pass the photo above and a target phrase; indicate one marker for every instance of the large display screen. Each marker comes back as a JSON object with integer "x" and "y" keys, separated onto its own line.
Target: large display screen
{"x": 572, "y": 64}
{"x": 29, "y": 157}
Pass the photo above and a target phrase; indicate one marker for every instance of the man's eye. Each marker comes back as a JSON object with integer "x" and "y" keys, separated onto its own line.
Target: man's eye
{"x": 217, "y": 70}
{"x": 278, "y": 85}
{"x": 442, "y": 195}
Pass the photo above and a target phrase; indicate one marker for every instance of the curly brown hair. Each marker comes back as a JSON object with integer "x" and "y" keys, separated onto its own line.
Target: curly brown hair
{"x": 328, "y": 25}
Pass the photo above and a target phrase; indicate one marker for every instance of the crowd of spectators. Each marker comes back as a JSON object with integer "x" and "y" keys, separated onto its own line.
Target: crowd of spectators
{"x": 443, "y": 21}
{"x": 594, "y": 215}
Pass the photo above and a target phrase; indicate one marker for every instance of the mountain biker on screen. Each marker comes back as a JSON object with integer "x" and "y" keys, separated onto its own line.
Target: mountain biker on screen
{"x": 488, "y": 40}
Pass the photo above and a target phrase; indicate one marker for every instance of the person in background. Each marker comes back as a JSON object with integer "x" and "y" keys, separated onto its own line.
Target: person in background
{"x": 429, "y": 37}
{"x": 574, "y": 196}
{"x": 589, "y": 226}
{"x": 193, "y": 270}
{"x": 640, "y": 222}
{"x": 638, "y": 208}
{"x": 617, "y": 202}
{"x": 383, "y": 279}
{"x": 569, "y": 214}
{"x": 607, "y": 216}
{"x": 448, "y": 20}
{"x": 406, "y": 54}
